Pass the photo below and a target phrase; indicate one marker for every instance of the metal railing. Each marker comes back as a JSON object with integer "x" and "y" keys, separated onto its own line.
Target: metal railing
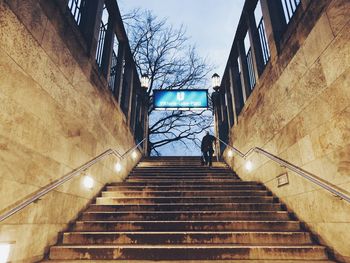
{"x": 263, "y": 41}
{"x": 75, "y": 7}
{"x": 305, "y": 174}
{"x": 289, "y": 8}
{"x": 252, "y": 80}
{"x": 81, "y": 169}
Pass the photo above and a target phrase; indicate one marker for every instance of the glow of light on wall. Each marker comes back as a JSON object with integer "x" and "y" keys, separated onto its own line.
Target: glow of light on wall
{"x": 248, "y": 165}
{"x": 134, "y": 155}
{"x": 230, "y": 153}
{"x": 5, "y": 249}
{"x": 117, "y": 167}
{"x": 88, "y": 182}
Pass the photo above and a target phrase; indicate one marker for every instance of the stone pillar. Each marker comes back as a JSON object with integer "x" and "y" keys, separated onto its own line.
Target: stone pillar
{"x": 119, "y": 71}
{"x": 233, "y": 96}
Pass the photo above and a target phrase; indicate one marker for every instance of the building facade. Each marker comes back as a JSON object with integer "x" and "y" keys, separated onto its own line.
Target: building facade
{"x": 286, "y": 89}
{"x": 69, "y": 90}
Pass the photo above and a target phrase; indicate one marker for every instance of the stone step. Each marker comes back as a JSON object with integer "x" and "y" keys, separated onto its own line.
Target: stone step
{"x": 179, "y": 182}
{"x": 157, "y": 238}
{"x": 185, "y": 215}
{"x": 183, "y": 174}
{"x": 197, "y": 199}
{"x": 125, "y": 187}
{"x": 188, "y": 261}
{"x": 185, "y": 252}
{"x": 189, "y": 207}
{"x": 188, "y": 225}
{"x": 185, "y": 193}
{"x": 163, "y": 181}
{"x": 187, "y": 177}
{"x": 230, "y": 182}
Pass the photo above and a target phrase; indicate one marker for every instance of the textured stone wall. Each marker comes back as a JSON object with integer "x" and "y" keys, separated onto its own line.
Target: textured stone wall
{"x": 300, "y": 111}
{"x": 53, "y": 118}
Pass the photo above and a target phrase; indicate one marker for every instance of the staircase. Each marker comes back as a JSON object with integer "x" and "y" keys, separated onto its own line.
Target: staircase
{"x": 174, "y": 209}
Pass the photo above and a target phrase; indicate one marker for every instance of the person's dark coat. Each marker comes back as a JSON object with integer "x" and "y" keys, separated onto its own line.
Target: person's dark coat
{"x": 207, "y": 143}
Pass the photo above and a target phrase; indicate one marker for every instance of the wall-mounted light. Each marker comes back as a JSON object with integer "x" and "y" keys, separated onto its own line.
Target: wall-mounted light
{"x": 88, "y": 182}
{"x": 144, "y": 81}
{"x": 134, "y": 155}
{"x": 117, "y": 167}
{"x": 5, "y": 249}
{"x": 248, "y": 165}
{"x": 230, "y": 153}
{"x": 215, "y": 81}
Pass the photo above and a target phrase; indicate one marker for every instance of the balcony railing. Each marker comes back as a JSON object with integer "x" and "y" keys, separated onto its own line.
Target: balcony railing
{"x": 289, "y": 8}
{"x": 252, "y": 80}
{"x": 75, "y": 7}
{"x": 263, "y": 41}
{"x": 100, "y": 44}
{"x": 113, "y": 72}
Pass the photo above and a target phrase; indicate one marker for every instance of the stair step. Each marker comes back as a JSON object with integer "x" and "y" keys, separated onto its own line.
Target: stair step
{"x": 183, "y": 187}
{"x": 188, "y": 225}
{"x": 181, "y": 181}
{"x": 190, "y": 252}
{"x": 185, "y": 215}
{"x": 185, "y": 193}
{"x": 197, "y": 199}
{"x": 189, "y": 207}
{"x": 157, "y": 238}
{"x": 173, "y": 177}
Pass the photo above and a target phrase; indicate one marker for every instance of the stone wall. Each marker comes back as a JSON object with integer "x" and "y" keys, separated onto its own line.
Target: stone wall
{"x": 56, "y": 114}
{"x": 300, "y": 111}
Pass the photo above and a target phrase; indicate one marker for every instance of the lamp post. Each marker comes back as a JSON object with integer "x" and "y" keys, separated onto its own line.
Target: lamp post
{"x": 145, "y": 81}
{"x": 215, "y": 97}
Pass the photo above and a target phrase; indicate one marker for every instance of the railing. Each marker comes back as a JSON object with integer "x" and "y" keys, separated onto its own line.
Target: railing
{"x": 305, "y": 174}
{"x": 75, "y": 8}
{"x": 81, "y": 169}
{"x": 263, "y": 41}
{"x": 289, "y": 8}
{"x": 100, "y": 43}
{"x": 113, "y": 73}
{"x": 252, "y": 80}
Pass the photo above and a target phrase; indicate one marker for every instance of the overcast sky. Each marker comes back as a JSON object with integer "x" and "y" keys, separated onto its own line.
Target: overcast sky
{"x": 211, "y": 24}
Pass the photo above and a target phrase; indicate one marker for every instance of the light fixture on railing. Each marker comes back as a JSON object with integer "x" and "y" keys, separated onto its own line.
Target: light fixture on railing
{"x": 144, "y": 81}
{"x": 118, "y": 167}
{"x": 88, "y": 181}
{"x": 229, "y": 153}
{"x": 5, "y": 249}
{"x": 248, "y": 165}
{"x": 134, "y": 155}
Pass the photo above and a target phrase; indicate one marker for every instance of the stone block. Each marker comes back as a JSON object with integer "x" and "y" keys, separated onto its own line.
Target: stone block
{"x": 318, "y": 40}
{"x": 338, "y": 13}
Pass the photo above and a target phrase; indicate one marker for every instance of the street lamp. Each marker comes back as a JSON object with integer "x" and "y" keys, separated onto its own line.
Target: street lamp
{"x": 215, "y": 81}
{"x": 144, "y": 81}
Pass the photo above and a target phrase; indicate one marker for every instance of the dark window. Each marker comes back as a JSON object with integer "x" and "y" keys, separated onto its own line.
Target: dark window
{"x": 75, "y": 7}
{"x": 289, "y": 8}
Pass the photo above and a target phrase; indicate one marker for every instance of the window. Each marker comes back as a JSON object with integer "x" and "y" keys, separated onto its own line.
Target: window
{"x": 289, "y": 8}
{"x": 75, "y": 7}
{"x": 262, "y": 33}
{"x": 249, "y": 57}
{"x": 102, "y": 36}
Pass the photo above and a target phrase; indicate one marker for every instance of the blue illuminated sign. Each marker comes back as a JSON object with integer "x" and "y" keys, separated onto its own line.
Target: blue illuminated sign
{"x": 180, "y": 99}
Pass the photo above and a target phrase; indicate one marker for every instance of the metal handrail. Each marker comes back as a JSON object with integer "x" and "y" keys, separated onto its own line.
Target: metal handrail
{"x": 48, "y": 188}
{"x": 305, "y": 174}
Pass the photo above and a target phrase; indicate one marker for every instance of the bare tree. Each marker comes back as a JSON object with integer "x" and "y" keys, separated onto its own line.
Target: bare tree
{"x": 165, "y": 55}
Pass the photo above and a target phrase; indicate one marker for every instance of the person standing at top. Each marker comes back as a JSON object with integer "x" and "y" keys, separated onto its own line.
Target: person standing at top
{"x": 207, "y": 148}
